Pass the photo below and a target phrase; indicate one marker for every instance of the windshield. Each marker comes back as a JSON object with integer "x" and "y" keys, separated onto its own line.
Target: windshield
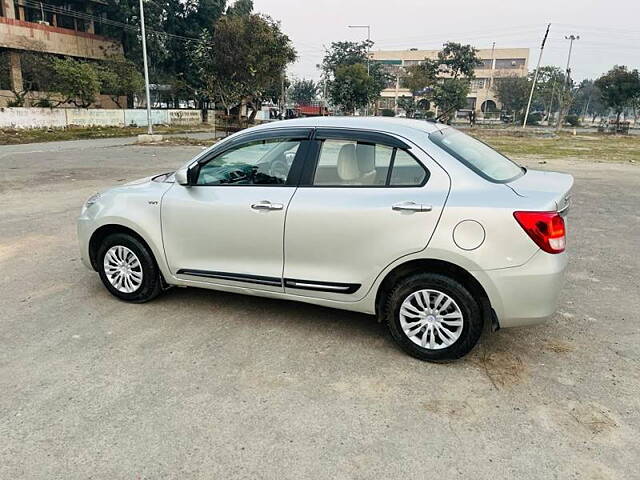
{"x": 477, "y": 155}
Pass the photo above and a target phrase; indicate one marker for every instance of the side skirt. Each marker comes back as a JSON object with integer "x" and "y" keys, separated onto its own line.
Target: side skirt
{"x": 346, "y": 288}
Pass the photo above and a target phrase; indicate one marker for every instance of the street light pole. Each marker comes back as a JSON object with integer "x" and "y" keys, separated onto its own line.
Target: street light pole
{"x": 146, "y": 70}
{"x": 567, "y": 80}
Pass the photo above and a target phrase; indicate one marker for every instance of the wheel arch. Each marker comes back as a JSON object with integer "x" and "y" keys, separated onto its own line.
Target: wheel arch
{"x": 104, "y": 231}
{"x": 442, "y": 267}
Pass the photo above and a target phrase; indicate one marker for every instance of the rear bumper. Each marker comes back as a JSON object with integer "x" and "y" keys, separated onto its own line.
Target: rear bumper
{"x": 527, "y": 294}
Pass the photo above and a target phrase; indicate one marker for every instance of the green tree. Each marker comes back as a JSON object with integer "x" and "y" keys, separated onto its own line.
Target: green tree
{"x": 456, "y": 60}
{"x": 77, "y": 82}
{"x": 547, "y": 93}
{"x": 450, "y": 94}
{"x": 619, "y": 88}
{"x": 455, "y": 66}
{"x": 345, "y": 53}
{"x": 169, "y": 55}
{"x": 342, "y": 66}
{"x": 35, "y": 75}
{"x": 120, "y": 78}
{"x": 513, "y": 93}
{"x": 417, "y": 78}
{"x": 352, "y": 88}
{"x": 588, "y": 100}
{"x": 242, "y": 60}
{"x": 408, "y": 104}
{"x": 303, "y": 92}
{"x": 241, "y": 7}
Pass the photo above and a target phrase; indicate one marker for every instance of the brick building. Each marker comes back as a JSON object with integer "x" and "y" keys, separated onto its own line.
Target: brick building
{"x": 496, "y": 63}
{"x": 57, "y": 27}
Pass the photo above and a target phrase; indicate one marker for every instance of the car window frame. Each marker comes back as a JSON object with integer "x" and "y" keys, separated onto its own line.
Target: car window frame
{"x": 301, "y": 135}
{"x": 367, "y": 137}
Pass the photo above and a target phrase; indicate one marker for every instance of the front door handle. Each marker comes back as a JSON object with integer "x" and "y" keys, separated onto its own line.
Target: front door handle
{"x": 267, "y": 205}
{"x": 411, "y": 207}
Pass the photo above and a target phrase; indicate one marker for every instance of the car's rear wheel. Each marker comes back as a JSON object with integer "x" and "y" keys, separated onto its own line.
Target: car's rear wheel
{"x": 433, "y": 317}
{"x": 127, "y": 268}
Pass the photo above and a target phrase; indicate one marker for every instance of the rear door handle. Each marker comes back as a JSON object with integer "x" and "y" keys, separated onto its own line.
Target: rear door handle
{"x": 411, "y": 207}
{"x": 267, "y": 205}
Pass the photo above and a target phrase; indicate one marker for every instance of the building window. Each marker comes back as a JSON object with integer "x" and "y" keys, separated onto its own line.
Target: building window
{"x": 478, "y": 84}
{"x": 486, "y": 64}
{"x": 508, "y": 63}
{"x": 471, "y": 103}
{"x": 386, "y": 103}
{"x": 5, "y": 70}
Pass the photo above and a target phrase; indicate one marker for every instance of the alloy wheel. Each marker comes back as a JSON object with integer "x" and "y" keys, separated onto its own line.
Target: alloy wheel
{"x": 431, "y": 319}
{"x": 123, "y": 269}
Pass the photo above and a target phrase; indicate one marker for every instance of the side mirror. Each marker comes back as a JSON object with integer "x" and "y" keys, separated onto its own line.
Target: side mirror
{"x": 182, "y": 176}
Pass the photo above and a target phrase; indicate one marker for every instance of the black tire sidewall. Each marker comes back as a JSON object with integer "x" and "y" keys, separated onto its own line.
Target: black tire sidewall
{"x": 471, "y": 329}
{"x": 150, "y": 274}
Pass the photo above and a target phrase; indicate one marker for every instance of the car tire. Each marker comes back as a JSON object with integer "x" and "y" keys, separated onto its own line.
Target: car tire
{"x": 431, "y": 331}
{"x": 127, "y": 268}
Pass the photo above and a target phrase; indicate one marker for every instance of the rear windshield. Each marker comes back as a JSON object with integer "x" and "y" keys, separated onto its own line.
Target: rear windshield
{"x": 478, "y": 156}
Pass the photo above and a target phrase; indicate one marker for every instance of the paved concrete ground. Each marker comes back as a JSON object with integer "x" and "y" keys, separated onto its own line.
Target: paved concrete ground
{"x": 199, "y": 384}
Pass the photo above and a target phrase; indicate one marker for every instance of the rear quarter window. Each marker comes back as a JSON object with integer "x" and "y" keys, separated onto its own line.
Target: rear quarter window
{"x": 476, "y": 155}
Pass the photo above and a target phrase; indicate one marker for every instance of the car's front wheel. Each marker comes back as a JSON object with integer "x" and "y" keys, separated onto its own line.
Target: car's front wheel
{"x": 433, "y": 317}
{"x": 127, "y": 268}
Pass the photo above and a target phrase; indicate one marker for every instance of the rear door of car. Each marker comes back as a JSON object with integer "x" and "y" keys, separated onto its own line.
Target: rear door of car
{"x": 365, "y": 199}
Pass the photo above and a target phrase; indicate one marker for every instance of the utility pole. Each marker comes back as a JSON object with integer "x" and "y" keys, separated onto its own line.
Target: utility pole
{"x": 567, "y": 80}
{"x": 283, "y": 100}
{"x": 535, "y": 76}
{"x": 146, "y": 70}
{"x": 486, "y": 99}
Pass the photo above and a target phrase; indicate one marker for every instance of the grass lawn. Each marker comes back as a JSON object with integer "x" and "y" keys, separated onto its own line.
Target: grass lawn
{"x": 588, "y": 146}
{"x": 18, "y": 136}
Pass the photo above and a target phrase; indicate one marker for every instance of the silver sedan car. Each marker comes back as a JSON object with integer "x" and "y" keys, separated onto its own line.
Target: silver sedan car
{"x": 432, "y": 231}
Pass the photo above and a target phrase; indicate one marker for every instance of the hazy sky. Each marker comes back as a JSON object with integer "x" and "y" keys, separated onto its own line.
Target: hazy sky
{"x": 609, "y": 30}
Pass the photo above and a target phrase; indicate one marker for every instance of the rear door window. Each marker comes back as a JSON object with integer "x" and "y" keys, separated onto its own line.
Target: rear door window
{"x": 354, "y": 163}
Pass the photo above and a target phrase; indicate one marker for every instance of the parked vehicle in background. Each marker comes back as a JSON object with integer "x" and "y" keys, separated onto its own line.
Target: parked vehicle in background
{"x": 427, "y": 228}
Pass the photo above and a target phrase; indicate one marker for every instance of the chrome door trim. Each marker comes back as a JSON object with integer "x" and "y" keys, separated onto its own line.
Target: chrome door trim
{"x": 335, "y": 287}
{"x": 235, "y": 277}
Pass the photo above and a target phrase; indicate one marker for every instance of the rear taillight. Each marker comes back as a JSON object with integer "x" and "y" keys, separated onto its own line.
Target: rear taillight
{"x": 544, "y": 228}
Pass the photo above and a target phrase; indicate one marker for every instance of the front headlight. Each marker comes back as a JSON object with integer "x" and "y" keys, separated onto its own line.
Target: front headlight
{"x": 91, "y": 200}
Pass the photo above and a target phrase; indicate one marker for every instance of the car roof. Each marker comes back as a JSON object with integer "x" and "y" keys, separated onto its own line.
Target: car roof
{"x": 399, "y": 126}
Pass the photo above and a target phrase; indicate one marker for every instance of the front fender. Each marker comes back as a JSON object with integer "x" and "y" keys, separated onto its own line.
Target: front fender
{"x": 134, "y": 206}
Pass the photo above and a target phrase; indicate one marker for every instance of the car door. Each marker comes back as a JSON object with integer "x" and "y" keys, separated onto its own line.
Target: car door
{"x": 367, "y": 200}
{"x": 228, "y": 226}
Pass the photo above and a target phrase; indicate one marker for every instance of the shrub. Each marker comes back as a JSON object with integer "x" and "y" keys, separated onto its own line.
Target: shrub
{"x": 43, "y": 103}
{"x": 573, "y": 120}
{"x": 429, "y": 114}
{"x": 387, "y": 112}
{"x": 534, "y": 118}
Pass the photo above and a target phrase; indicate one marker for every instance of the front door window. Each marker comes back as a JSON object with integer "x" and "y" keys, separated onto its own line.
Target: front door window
{"x": 263, "y": 162}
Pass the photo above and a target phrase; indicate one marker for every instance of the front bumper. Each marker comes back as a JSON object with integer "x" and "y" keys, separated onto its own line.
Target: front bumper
{"x": 527, "y": 294}
{"x": 84, "y": 235}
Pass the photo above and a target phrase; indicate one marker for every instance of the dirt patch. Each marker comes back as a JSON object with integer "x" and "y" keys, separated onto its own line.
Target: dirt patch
{"x": 181, "y": 141}
{"x": 502, "y": 368}
{"x": 594, "y": 419}
{"x": 557, "y": 346}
